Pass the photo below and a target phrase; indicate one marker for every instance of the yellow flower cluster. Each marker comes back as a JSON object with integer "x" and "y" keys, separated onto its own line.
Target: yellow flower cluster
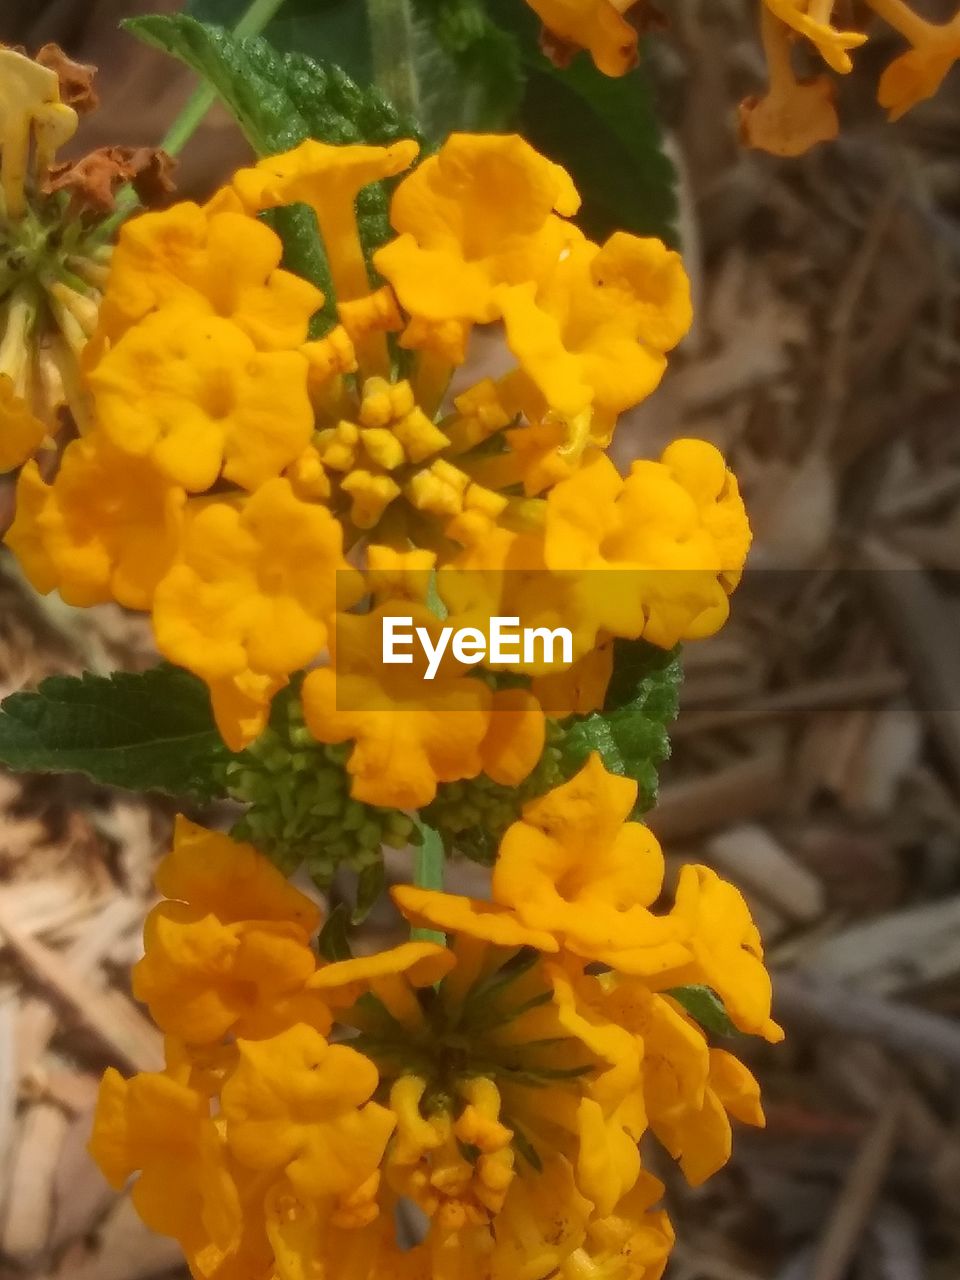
{"x": 50, "y": 277}
{"x": 797, "y": 111}
{"x": 248, "y": 484}
{"x": 501, "y": 1084}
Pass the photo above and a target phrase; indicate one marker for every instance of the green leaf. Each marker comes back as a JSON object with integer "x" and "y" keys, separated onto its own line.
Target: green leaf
{"x": 279, "y": 99}
{"x": 333, "y": 942}
{"x": 468, "y": 71}
{"x": 147, "y": 731}
{"x": 631, "y": 732}
{"x": 644, "y": 673}
{"x": 428, "y": 860}
{"x": 605, "y": 130}
{"x": 370, "y": 885}
{"x": 332, "y": 30}
{"x": 705, "y": 1007}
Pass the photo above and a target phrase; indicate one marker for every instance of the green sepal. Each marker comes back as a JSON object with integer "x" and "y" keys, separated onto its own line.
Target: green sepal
{"x": 144, "y": 731}
{"x": 705, "y": 1007}
{"x": 371, "y": 881}
{"x": 333, "y": 941}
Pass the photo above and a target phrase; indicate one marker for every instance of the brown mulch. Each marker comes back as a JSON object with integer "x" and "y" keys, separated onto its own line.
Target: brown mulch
{"x": 816, "y": 759}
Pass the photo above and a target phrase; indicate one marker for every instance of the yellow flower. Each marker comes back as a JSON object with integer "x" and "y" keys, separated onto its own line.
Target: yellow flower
{"x": 105, "y": 529}
{"x": 408, "y": 733}
{"x": 399, "y": 575}
{"x": 542, "y": 1222}
{"x": 32, "y": 116}
{"x": 299, "y": 1106}
{"x": 372, "y": 459}
{"x": 654, "y": 555}
{"x": 161, "y": 1128}
{"x": 327, "y": 178}
{"x": 918, "y": 73}
{"x": 502, "y": 1093}
{"x": 631, "y": 1243}
{"x": 700, "y": 1137}
{"x": 309, "y": 1243}
{"x": 578, "y": 690}
{"x": 426, "y": 1161}
{"x": 53, "y": 261}
{"x": 392, "y": 976}
{"x": 502, "y": 572}
{"x": 223, "y": 263}
{"x": 596, "y": 332}
{"x": 575, "y": 868}
{"x": 468, "y": 917}
{"x": 700, "y": 470}
{"x": 832, "y": 44}
{"x": 477, "y": 215}
{"x": 191, "y": 391}
{"x": 21, "y": 431}
{"x": 726, "y": 947}
{"x": 515, "y": 736}
{"x": 38, "y": 374}
{"x": 597, "y": 25}
{"x": 251, "y": 594}
{"x": 687, "y": 1090}
{"x": 794, "y": 114}
{"x": 230, "y": 949}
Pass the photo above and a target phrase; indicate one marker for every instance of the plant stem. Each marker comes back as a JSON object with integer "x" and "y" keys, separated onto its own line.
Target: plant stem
{"x": 428, "y": 874}
{"x": 256, "y": 17}
{"x": 251, "y": 23}
{"x": 189, "y": 120}
{"x": 391, "y": 40}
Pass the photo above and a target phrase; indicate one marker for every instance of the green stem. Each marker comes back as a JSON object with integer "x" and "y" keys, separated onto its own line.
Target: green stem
{"x": 251, "y": 23}
{"x": 391, "y": 41}
{"x": 428, "y": 864}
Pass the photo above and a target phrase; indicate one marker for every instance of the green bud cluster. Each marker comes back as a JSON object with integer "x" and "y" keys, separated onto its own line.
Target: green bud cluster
{"x": 471, "y": 816}
{"x": 300, "y": 808}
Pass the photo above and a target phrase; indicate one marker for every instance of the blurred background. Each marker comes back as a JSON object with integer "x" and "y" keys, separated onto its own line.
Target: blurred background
{"x": 817, "y": 754}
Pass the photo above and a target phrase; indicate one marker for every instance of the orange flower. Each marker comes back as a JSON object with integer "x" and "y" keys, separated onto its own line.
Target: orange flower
{"x": 190, "y": 391}
{"x": 478, "y": 214}
{"x": 105, "y": 529}
{"x": 218, "y": 261}
{"x": 408, "y": 733}
{"x": 597, "y": 25}
{"x": 230, "y": 946}
{"x": 595, "y": 332}
{"x": 250, "y": 596}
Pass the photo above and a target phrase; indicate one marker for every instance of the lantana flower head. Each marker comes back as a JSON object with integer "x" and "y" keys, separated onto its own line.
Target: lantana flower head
{"x": 797, "y": 113}
{"x": 258, "y": 443}
{"x": 500, "y": 1084}
{"x": 54, "y": 258}
{"x": 577, "y": 869}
